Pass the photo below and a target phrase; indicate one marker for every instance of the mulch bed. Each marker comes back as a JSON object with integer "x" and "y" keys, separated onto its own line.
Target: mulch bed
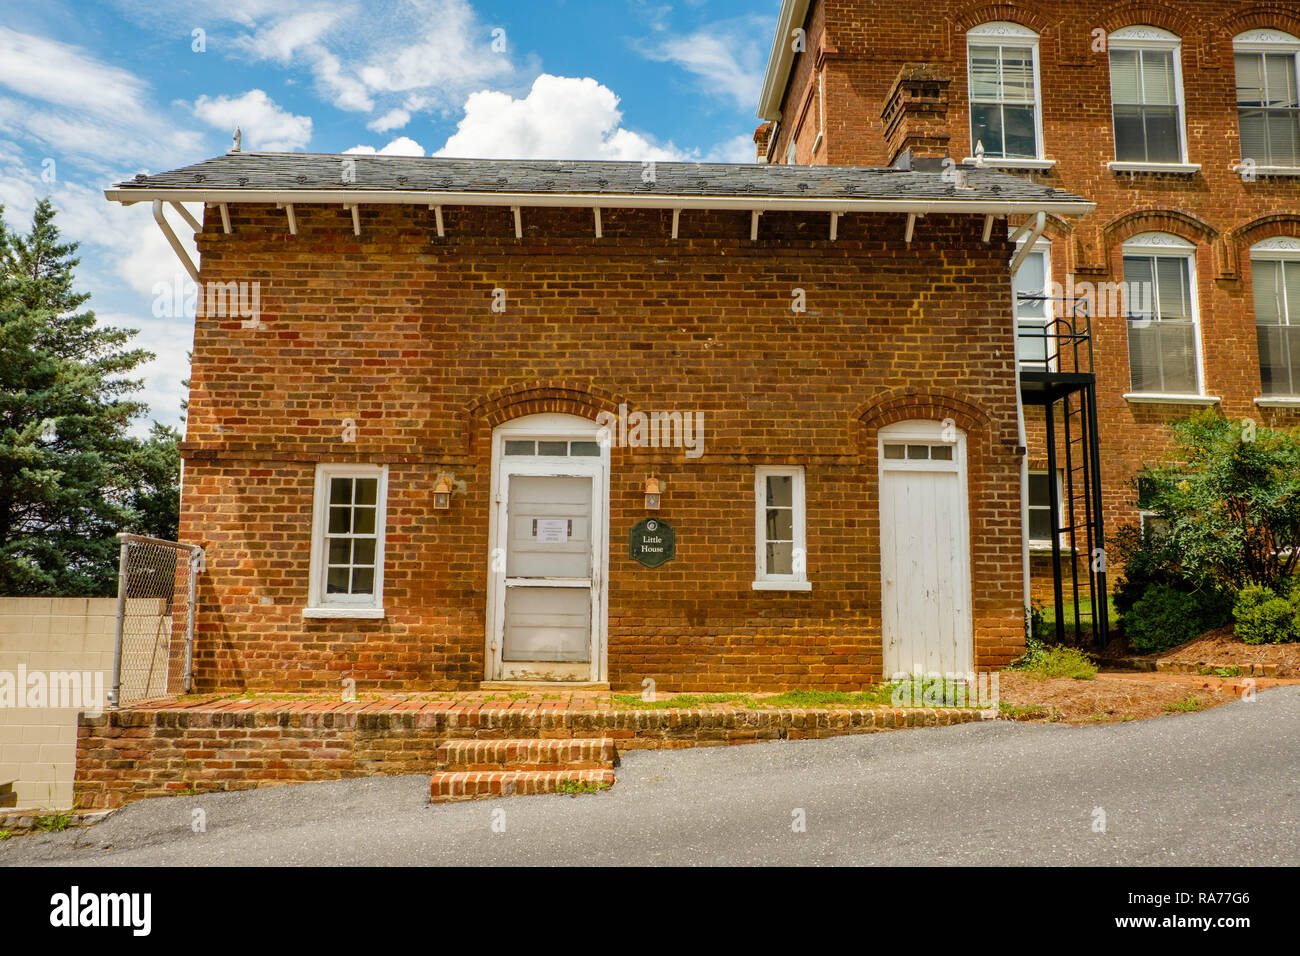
{"x": 1104, "y": 700}
{"x": 1220, "y": 649}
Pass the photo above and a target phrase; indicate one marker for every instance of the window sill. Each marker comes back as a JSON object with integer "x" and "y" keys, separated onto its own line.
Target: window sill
{"x": 1268, "y": 170}
{"x": 1278, "y": 401}
{"x": 372, "y": 613}
{"x": 1011, "y": 163}
{"x": 782, "y": 585}
{"x": 1045, "y": 547}
{"x": 1154, "y": 398}
{"x": 1173, "y": 169}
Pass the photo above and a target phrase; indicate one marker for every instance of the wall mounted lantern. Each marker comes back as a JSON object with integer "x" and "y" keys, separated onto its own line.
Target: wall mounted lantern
{"x": 442, "y": 493}
{"x": 652, "y": 493}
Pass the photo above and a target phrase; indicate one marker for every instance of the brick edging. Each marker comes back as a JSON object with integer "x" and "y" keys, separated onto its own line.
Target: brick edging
{"x": 131, "y": 754}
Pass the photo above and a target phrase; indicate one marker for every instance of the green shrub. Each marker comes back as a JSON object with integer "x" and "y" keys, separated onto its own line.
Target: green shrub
{"x": 1166, "y": 616}
{"x": 1043, "y": 661}
{"x": 1264, "y": 617}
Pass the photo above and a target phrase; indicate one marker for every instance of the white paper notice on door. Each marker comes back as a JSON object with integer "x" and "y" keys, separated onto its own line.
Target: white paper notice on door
{"x": 552, "y": 530}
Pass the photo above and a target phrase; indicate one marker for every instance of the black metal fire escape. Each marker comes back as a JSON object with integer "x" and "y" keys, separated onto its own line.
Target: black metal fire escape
{"x": 1064, "y": 385}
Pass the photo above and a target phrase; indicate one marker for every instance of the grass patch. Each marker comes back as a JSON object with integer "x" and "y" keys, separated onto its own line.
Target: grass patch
{"x": 878, "y": 696}
{"x": 1186, "y": 705}
{"x": 1043, "y": 661}
{"x": 1047, "y": 617}
{"x": 1027, "y": 712}
{"x": 54, "y": 822}
{"x": 1219, "y": 671}
{"x": 6, "y": 834}
{"x": 575, "y": 787}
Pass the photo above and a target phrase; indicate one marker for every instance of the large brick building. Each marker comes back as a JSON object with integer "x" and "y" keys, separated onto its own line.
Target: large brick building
{"x": 395, "y": 460}
{"x": 1179, "y": 120}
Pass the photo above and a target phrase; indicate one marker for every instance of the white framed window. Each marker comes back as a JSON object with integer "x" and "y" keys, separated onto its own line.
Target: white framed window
{"x": 1152, "y": 523}
{"x": 1033, "y": 279}
{"x": 1040, "y": 508}
{"x": 1275, "y": 277}
{"x": 779, "y": 546}
{"x": 347, "y": 548}
{"x": 1006, "y": 114}
{"x": 1146, "y": 95}
{"x": 1268, "y": 98}
{"x": 1164, "y": 346}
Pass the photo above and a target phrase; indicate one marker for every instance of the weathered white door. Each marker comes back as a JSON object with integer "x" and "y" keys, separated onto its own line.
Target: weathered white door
{"x": 546, "y": 595}
{"x": 926, "y": 620}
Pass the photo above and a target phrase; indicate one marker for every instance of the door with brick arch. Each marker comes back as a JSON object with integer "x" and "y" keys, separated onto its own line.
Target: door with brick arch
{"x": 925, "y": 567}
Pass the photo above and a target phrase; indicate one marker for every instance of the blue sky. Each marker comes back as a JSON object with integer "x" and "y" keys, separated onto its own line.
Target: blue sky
{"x": 92, "y": 93}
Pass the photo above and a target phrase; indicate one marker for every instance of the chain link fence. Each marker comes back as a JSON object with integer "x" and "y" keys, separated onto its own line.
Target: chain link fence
{"x": 156, "y": 595}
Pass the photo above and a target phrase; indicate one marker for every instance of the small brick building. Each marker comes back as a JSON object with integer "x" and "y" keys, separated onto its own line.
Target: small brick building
{"x": 1181, "y": 121}
{"x": 455, "y": 421}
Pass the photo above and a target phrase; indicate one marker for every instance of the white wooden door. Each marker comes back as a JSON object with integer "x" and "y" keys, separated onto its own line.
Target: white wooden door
{"x": 926, "y": 622}
{"x": 546, "y": 590}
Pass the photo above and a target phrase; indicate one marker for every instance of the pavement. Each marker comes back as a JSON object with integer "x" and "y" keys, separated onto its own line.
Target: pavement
{"x": 1220, "y": 786}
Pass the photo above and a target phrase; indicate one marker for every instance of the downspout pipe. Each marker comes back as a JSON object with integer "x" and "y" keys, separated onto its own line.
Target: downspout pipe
{"x": 1034, "y": 226}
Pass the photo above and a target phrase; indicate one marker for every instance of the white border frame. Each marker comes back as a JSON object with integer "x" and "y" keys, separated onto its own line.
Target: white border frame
{"x": 1040, "y": 545}
{"x": 798, "y": 580}
{"x": 1005, "y": 33}
{"x": 1044, "y": 245}
{"x": 1165, "y": 245}
{"x": 1266, "y": 41}
{"x": 554, "y": 427}
{"x": 319, "y": 603}
{"x": 1273, "y": 249}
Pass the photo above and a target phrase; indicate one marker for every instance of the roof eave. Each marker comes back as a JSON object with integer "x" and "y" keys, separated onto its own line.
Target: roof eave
{"x": 135, "y": 194}
{"x": 779, "y": 60}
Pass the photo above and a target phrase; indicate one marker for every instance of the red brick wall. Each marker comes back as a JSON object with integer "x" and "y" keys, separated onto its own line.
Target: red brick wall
{"x": 1214, "y": 208}
{"x": 394, "y": 330}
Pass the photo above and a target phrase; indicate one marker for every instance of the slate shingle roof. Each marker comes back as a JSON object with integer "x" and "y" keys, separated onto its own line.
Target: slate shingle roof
{"x": 316, "y": 171}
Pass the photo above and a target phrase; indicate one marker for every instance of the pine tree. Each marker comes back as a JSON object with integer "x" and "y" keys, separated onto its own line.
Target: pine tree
{"x": 70, "y": 474}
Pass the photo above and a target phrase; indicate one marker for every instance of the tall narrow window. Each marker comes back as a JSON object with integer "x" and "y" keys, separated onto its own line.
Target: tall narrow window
{"x": 347, "y": 559}
{"x": 1163, "y": 339}
{"x": 779, "y": 529}
{"x": 1033, "y": 309}
{"x": 1005, "y": 108}
{"x": 1040, "y": 508}
{"x": 1275, "y": 275}
{"x": 1146, "y": 96}
{"x": 1268, "y": 102}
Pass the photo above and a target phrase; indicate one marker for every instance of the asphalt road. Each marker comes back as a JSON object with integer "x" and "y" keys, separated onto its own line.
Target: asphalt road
{"x": 1219, "y": 787}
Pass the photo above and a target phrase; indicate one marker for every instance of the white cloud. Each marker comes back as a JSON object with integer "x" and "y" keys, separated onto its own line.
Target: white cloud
{"x": 402, "y": 146}
{"x": 728, "y": 56}
{"x": 737, "y": 149}
{"x": 74, "y": 105}
{"x": 560, "y": 118}
{"x": 264, "y": 124}
{"x": 393, "y": 119}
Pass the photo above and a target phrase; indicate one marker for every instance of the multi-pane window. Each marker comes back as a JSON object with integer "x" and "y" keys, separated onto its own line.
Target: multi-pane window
{"x": 348, "y": 538}
{"x": 576, "y": 449}
{"x": 1004, "y": 109}
{"x": 1040, "y": 508}
{"x": 1277, "y": 323}
{"x": 1033, "y": 308}
{"x": 1162, "y": 319}
{"x": 1268, "y": 106}
{"x": 779, "y": 527}
{"x": 1146, "y": 101}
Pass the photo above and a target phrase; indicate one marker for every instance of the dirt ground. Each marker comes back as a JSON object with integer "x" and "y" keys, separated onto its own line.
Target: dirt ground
{"x": 1109, "y": 698}
{"x": 1219, "y": 649}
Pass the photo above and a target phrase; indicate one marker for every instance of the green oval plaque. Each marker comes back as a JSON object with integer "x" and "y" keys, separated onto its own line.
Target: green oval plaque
{"x": 652, "y": 542}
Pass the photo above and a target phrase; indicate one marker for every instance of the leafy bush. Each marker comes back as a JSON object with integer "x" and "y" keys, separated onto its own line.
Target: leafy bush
{"x": 1147, "y": 559}
{"x": 1264, "y": 617}
{"x": 1166, "y": 616}
{"x": 1042, "y": 661}
{"x": 1230, "y": 497}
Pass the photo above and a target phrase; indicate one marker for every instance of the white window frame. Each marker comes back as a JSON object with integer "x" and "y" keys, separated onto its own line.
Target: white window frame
{"x": 1001, "y": 33}
{"x": 1273, "y": 250}
{"x": 321, "y": 604}
{"x": 798, "y": 580}
{"x": 1147, "y": 518}
{"x": 1166, "y": 246}
{"x": 1151, "y": 38}
{"x": 1042, "y": 245}
{"x": 1274, "y": 42}
{"x": 1045, "y": 544}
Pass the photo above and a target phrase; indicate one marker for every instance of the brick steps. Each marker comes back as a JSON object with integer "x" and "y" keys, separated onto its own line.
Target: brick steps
{"x": 474, "y": 769}
{"x": 487, "y": 755}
